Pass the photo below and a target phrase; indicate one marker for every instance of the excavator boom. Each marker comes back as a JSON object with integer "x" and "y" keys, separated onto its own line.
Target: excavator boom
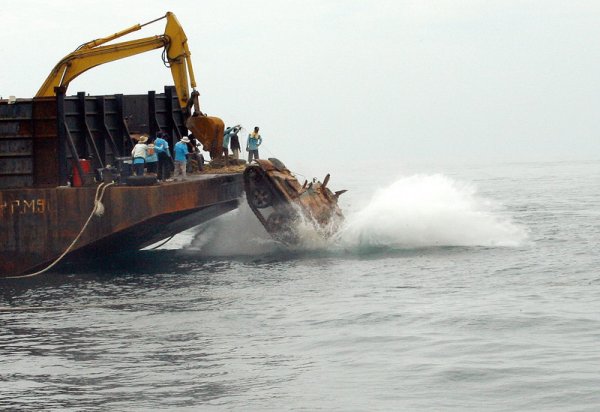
{"x": 177, "y": 56}
{"x": 82, "y": 60}
{"x": 95, "y": 53}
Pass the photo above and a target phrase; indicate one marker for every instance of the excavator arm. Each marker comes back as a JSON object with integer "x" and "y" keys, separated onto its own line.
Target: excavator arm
{"x": 177, "y": 56}
{"x": 93, "y": 53}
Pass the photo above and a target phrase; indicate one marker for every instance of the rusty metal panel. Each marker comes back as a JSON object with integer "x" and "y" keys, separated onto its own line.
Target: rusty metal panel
{"x": 16, "y": 164}
{"x": 176, "y": 120}
{"x": 135, "y": 110}
{"x": 16, "y": 147}
{"x": 38, "y": 224}
{"x": 45, "y": 143}
{"x": 25, "y": 220}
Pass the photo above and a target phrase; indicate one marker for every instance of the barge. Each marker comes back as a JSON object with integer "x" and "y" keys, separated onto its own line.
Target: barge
{"x": 46, "y": 197}
{"x": 65, "y": 189}
{"x": 63, "y": 160}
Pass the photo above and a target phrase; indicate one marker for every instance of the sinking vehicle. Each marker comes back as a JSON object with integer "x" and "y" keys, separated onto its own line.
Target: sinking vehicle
{"x": 279, "y": 201}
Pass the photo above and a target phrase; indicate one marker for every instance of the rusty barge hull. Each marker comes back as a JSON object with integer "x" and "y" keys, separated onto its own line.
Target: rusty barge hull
{"x": 43, "y": 144}
{"x": 38, "y": 225}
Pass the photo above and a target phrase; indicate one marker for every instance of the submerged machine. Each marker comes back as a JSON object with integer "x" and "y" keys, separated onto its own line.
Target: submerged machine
{"x": 52, "y": 145}
{"x": 279, "y": 201}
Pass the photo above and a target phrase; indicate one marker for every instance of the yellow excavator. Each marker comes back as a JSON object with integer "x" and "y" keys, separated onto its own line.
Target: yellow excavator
{"x": 176, "y": 56}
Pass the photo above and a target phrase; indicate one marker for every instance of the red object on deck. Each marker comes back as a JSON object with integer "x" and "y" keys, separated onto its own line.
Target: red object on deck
{"x": 86, "y": 166}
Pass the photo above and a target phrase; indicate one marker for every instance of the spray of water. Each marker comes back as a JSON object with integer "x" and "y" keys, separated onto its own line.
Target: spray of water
{"x": 429, "y": 211}
{"x": 418, "y": 211}
{"x": 238, "y": 233}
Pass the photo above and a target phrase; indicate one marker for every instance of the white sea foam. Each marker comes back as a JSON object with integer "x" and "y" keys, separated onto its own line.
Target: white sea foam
{"x": 429, "y": 211}
{"x": 240, "y": 233}
{"x": 236, "y": 233}
{"x": 418, "y": 211}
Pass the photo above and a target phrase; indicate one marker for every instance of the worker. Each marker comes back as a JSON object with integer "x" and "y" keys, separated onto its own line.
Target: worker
{"x": 181, "y": 152}
{"x": 235, "y": 141}
{"x": 195, "y": 159}
{"x": 151, "y": 156}
{"x": 161, "y": 146}
{"x": 226, "y": 139}
{"x": 139, "y": 154}
{"x": 254, "y": 140}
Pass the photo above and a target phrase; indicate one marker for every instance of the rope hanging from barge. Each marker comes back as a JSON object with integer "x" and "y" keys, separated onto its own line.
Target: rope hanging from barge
{"x": 98, "y": 210}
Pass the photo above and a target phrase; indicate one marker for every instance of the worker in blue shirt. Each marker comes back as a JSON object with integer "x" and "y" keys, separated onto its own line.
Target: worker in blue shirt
{"x": 181, "y": 152}
{"x": 161, "y": 147}
{"x": 227, "y": 138}
{"x": 254, "y": 140}
{"x": 151, "y": 157}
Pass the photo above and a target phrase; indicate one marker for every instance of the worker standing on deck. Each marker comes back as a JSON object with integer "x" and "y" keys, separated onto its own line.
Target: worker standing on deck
{"x": 181, "y": 152}
{"x": 139, "y": 154}
{"x": 254, "y": 140}
{"x": 230, "y": 135}
{"x": 161, "y": 146}
{"x": 151, "y": 157}
{"x": 235, "y": 140}
{"x": 226, "y": 139}
{"x": 195, "y": 161}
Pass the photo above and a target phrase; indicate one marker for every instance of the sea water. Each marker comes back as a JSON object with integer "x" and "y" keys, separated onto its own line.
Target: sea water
{"x": 472, "y": 287}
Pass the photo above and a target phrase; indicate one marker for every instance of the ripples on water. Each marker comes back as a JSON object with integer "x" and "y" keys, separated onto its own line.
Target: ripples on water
{"x": 497, "y": 312}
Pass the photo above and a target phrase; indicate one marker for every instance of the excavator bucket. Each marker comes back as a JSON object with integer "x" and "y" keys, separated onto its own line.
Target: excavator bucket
{"x": 209, "y": 130}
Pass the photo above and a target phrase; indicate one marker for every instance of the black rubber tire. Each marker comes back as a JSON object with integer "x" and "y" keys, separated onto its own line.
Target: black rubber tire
{"x": 261, "y": 197}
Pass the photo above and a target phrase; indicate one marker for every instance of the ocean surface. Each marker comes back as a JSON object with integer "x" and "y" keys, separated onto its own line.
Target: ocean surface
{"x": 462, "y": 287}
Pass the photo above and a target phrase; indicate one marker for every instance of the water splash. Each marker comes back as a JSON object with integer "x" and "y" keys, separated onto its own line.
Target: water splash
{"x": 429, "y": 211}
{"x": 238, "y": 233}
{"x": 418, "y": 211}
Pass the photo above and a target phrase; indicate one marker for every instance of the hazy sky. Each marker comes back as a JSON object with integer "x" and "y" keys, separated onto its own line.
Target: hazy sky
{"x": 349, "y": 80}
